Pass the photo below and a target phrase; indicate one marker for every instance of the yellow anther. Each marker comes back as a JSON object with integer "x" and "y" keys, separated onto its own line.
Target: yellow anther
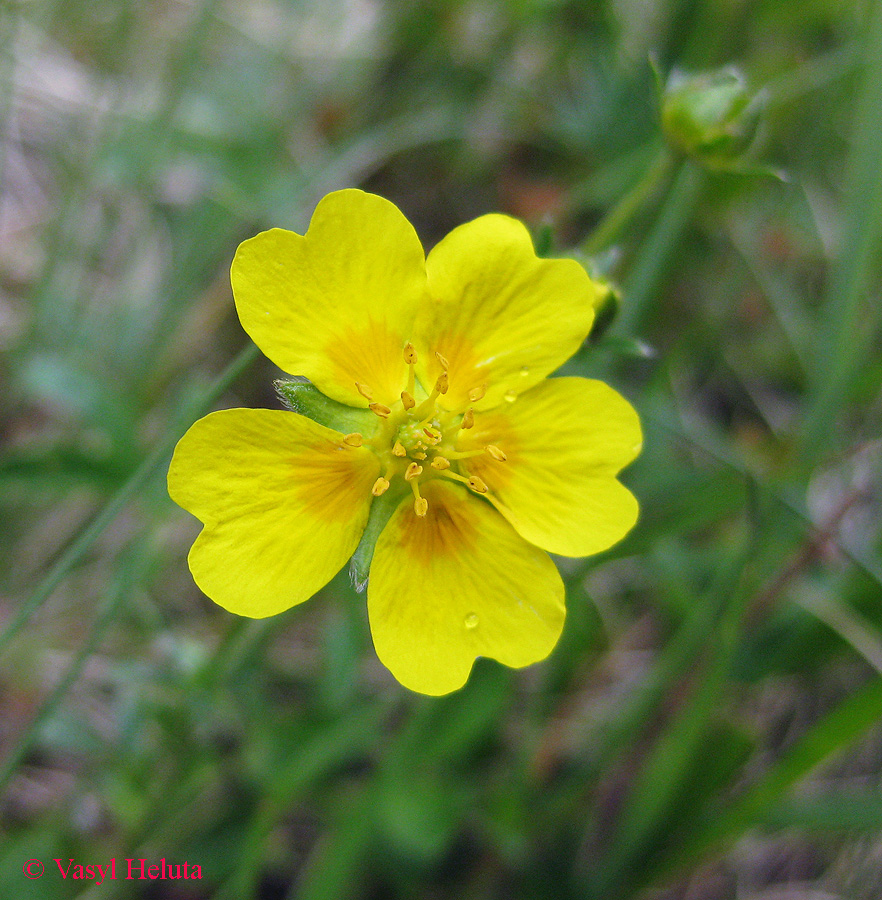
{"x": 443, "y": 360}
{"x": 407, "y": 400}
{"x": 439, "y": 462}
{"x": 398, "y": 449}
{"x": 477, "y": 393}
{"x": 476, "y": 484}
{"x": 381, "y": 485}
{"x": 380, "y": 410}
{"x": 410, "y": 354}
{"x": 420, "y": 506}
{"x": 353, "y": 440}
{"x": 419, "y": 455}
{"x": 413, "y": 470}
{"x": 496, "y": 453}
{"x": 364, "y": 390}
{"x": 443, "y": 383}
{"x": 468, "y": 419}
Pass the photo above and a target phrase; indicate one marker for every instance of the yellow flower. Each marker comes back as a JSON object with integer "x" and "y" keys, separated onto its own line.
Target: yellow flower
{"x": 480, "y": 461}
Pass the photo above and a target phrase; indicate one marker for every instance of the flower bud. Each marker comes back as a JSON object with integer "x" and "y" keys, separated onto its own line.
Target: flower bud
{"x": 711, "y": 116}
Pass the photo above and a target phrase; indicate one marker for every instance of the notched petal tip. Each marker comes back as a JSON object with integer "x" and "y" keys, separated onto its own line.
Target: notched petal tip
{"x": 457, "y": 584}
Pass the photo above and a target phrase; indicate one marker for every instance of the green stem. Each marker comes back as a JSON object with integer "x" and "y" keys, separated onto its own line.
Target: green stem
{"x": 621, "y": 215}
{"x": 81, "y": 545}
{"x": 838, "y": 729}
{"x": 645, "y": 277}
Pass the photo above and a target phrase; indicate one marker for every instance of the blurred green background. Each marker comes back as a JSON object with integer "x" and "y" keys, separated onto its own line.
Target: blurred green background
{"x": 708, "y": 727}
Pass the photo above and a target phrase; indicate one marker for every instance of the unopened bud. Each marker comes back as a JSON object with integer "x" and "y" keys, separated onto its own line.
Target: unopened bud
{"x": 711, "y": 116}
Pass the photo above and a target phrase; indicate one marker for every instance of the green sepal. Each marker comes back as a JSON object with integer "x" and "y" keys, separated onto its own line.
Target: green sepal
{"x": 609, "y": 301}
{"x": 301, "y": 396}
{"x": 605, "y": 311}
{"x": 543, "y": 240}
{"x": 382, "y": 508}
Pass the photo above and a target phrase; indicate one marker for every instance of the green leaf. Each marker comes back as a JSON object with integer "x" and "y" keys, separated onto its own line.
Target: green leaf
{"x": 837, "y": 730}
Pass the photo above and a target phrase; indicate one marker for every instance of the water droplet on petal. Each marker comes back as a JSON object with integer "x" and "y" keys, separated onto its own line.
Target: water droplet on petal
{"x": 471, "y": 621}
{"x": 525, "y": 370}
{"x": 510, "y": 396}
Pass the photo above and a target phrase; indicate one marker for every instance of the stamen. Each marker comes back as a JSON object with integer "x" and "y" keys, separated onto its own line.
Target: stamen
{"x": 364, "y": 390}
{"x": 410, "y": 354}
{"x": 473, "y": 482}
{"x": 419, "y": 455}
{"x": 496, "y": 453}
{"x": 468, "y": 418}
{"x": 407, "y": 400}
{"x": 443, "y": 360}
{"x": 413, "y": 470}
{"x": 353, "y": 440}
{"x": 420, "y": 505}
{"x": 381, "y": 485}
{"x": 477, "y": 393}
{"x": 433, "y": 435}
{"x": 439, "y": 462}
{"x": 426, "y": 409}
{"x": 380, "y": 410}
{"x": 398, "y": 449}
{"x": 411, "y": 378}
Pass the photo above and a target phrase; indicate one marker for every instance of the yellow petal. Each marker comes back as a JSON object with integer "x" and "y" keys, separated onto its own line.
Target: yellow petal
{"x": 457, "y": 584}
{"x": 502, "y": 317}
{"x": 337, "y": 304}
{"x": 284, "y": 502}
{"x": 565, "y": 441}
